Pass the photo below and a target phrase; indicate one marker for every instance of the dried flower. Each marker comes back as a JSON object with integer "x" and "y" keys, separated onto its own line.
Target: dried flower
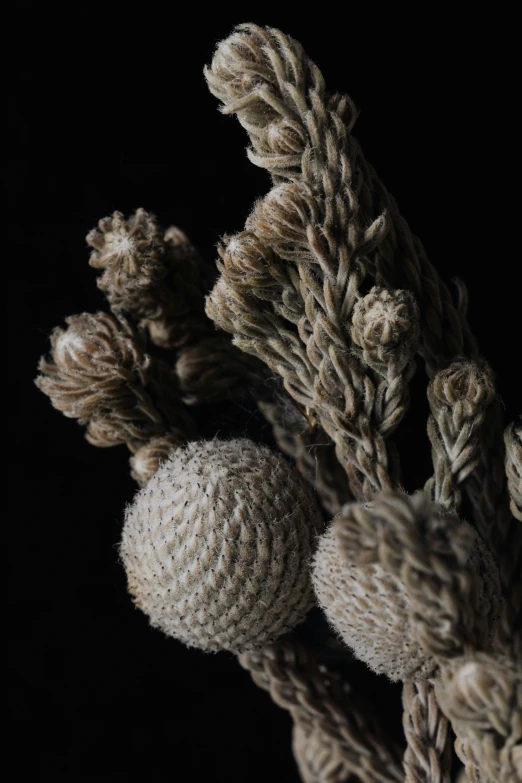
{"x": 96, "y": 362}
{"x": 385, "y": 327}
{"x": 150, "y": 275}
{"x": 216, "y": 547}
{"x": 218, "y": 544}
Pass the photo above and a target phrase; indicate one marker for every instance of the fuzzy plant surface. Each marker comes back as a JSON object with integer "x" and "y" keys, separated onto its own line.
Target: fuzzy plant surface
{"x": 324, "y": 307}
{"x": 217, "y": 546}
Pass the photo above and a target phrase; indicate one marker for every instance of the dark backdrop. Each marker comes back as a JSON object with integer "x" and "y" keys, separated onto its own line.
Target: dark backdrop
{"x": 110, "y": 111}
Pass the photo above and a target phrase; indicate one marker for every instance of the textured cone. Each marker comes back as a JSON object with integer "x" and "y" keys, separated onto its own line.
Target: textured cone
{"x": 368, "y": 607}
{"x": 217, "y": 546}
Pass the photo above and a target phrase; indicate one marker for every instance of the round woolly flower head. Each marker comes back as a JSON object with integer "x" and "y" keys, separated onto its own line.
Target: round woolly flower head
{"x": 404, "y": 586}
{"x": 369, "y": 609}
{"x": 217, "y": 546}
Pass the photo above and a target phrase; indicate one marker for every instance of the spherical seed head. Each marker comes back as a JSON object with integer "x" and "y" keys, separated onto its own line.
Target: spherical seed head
{"x": 376, "y": 606}
{"x": 368, "y": 608}
{"x": 217, "y": 546}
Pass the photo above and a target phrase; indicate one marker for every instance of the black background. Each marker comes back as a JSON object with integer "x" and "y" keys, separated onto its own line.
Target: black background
{"x": 110, "y": 111}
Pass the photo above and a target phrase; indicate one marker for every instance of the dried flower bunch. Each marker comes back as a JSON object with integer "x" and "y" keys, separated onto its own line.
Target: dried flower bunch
{"x": 227, "y": 546}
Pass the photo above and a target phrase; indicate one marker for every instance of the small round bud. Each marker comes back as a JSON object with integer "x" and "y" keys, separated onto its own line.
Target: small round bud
{"x": 247, "y": 262}
{"x": 384, "y": 324}
{"x": 147, "y": 459}
{"x": 216, "y": 547}
{"x": 463, "y": 382}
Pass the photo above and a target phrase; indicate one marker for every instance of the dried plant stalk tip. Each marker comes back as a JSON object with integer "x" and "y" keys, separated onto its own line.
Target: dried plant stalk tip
{"x": 218, "y": 544}
{"x": 151, "y": 275}
{"x": 463, "y": 381}
{"x": 93, "y": 365}
{"x": 127, "y": 249}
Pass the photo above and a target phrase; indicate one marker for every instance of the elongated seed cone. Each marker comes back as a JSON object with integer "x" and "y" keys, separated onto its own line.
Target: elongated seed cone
{"x": 217, "y": 546}
{"x": 369, "y": 608}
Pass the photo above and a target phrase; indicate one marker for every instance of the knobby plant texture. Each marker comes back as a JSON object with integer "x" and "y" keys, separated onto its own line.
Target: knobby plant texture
{"x": 322, "y": 310}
